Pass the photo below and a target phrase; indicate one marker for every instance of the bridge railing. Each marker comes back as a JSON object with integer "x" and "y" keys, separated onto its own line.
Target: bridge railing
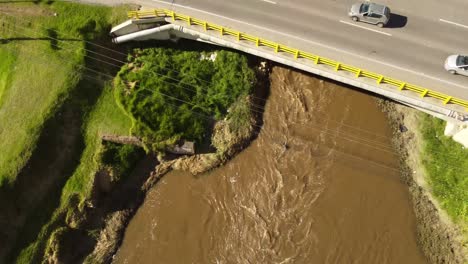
{"x": 277, "y": 47}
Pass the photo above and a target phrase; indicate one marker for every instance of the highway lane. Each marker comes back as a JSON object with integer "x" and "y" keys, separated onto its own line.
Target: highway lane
{"x": 413, "y": 52}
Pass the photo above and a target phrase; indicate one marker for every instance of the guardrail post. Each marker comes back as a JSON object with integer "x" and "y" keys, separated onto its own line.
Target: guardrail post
{"x": 317, "y": 58}
{"x": 337, "y": 67}
{"x": 380, "y": 79}
{"x": 296, "y": 55}
{"x": 173, "y": 16}
{"x": 424, "y": 93}
{"x": 402, "y": 86}
{"x": 189, "y": 21}
{"x": 155, "y": 12}
{"x": 447, "y": 100}
{"x": 238, "y": 36}
{"x": 222, "y": 31}
{"x": 205, "y": 26}
{"x": 358, "y": 73}
{"x": 257, "y": 42}
{"x": 276, "y": 47}
{"x": 137, "y": 15}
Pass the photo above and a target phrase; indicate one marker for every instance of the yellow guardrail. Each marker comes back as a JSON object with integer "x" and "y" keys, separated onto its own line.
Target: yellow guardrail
{"x": 380, "y": 79}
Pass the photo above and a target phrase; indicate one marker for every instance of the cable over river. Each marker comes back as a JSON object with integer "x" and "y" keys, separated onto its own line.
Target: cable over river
{"x": 320, "y": 184}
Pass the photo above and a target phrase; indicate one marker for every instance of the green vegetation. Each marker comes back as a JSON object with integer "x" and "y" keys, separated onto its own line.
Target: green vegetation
{"x": 121, "y": 158}
{"x": 446, "y": 163}
{"x": 37, "y": 73}
{"x": 172, "y": 94}
{"x": 162, "y": 95}
{"x": 105, "y": 118}
{"x": 8, "y": 59}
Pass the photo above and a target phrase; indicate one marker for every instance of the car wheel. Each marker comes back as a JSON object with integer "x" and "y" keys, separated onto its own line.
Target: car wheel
{"x": 452, "y": 72}
{"x": 355, "y": 19}
{"x": 380, "y": 25}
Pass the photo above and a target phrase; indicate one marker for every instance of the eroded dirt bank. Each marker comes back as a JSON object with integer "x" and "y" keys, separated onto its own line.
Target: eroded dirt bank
{"x": 98, "y": 226}
{"x": 438, "y": 237}
{"x": 320, "y": 184}
{"x": 326, "y": 169}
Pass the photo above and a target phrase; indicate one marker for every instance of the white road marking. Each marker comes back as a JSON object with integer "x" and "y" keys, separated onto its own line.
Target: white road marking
{"x": 268, "y": 1}
{"x": 359, "y": 26}
{"x": 318, "y": 44}
{"x": 453, "y": 23}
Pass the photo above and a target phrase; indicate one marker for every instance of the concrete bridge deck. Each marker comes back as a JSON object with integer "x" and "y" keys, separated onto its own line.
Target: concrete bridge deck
{"x": 145, "y": 25}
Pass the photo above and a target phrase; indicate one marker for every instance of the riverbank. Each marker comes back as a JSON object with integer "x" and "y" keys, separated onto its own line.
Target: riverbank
{"x": 73, "y": 184}
{"x": 229, "y": 138}
{"x": 46, "y": 94}
{"x": 320, "y": 184}
{"x": 443, "y": 238}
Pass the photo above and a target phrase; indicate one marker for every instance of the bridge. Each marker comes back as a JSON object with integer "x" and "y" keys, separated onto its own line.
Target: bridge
{"x": 446, "y": 103}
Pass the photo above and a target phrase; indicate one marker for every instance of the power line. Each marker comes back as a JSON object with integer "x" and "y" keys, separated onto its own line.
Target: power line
{"x": 326, "y": 130}
{"x": 385, "y": 147}
{"x": 258, "y": 107}
{"x": 336, "y": 135}
{"x": 348, "y": 137}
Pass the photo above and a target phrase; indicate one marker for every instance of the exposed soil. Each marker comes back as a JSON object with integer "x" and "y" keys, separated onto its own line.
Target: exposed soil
{"x": 439, "y": 238}
{"x": 30, "y": 202}
{"x": 111, "y": 207}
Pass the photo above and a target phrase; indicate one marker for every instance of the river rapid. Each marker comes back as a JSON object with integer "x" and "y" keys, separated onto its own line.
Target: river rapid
{"x": 320, "y": 184}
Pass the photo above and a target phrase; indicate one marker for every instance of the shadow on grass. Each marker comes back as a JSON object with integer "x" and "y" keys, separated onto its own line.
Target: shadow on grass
{"x": 31, "y": 1}
{"x": 30, "y": 202}
{"x": 53, "y": 40}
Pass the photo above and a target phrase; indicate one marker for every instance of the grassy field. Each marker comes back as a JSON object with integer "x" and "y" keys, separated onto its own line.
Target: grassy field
{"x": 105, "y": 118}
{"x": 446, "y": 163}
{"x": 8, "y": 60}
{"x": 38, "y": 73}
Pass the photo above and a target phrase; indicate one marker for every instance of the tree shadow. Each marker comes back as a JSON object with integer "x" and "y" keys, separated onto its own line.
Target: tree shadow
{"x": 26, "y": 1}
{"x": 397, "y": 21}
{"x": 52, "y": 39}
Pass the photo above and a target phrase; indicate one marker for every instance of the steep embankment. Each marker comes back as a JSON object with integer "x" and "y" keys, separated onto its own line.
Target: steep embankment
{"x": 436, "y": 171}
{"x": 104, "y": 190}
{"x": 44, "y": 98}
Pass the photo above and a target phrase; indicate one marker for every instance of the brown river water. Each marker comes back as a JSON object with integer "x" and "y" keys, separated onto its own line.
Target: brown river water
{"x": 320, "y": 184}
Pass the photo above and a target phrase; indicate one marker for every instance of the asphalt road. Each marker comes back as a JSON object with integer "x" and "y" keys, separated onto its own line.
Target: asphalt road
{"x": 421, "y": 34}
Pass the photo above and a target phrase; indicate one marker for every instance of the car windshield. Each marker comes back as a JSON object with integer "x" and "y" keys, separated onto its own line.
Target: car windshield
{"x": 364, "y": 8}
{"x": 462, "y": 60}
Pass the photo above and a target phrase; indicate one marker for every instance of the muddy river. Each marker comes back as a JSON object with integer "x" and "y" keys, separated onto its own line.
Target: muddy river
{"x": 320, "y": 184}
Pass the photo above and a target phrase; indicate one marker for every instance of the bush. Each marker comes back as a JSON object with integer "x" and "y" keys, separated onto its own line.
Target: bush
{"x": 122, "y": 158}
{"x": 176, "y": 94}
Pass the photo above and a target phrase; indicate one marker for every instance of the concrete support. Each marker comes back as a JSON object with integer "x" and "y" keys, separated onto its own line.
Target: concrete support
{"x": 459, "y": 133}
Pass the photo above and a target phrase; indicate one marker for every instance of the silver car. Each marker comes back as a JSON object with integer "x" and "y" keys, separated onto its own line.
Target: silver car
{"x": 371, "y": 13}
{"x": 457, "y": 64}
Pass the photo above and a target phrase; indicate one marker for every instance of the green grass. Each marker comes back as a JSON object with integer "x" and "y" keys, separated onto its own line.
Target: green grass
{"x": 106, "y": 118}
{"x": 6, "y": 63}
{"x": 36, "y": 76}
{"x": 446, "y": 163}
{"x": 120, "y": 159}
{"x": 38, "y": 73}
{"x": 176, "y": 94}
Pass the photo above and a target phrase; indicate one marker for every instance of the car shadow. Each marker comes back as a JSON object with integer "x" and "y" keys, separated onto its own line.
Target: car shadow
{"x": 397, "y": 21}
